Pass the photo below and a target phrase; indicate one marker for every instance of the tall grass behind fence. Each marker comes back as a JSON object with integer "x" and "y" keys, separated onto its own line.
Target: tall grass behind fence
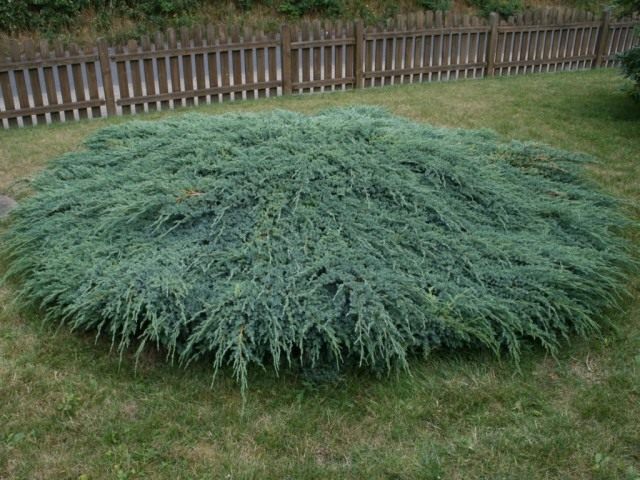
{"x": 48, "y": 83}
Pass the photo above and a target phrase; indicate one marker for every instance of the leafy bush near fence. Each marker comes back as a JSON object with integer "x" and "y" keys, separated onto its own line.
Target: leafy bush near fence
{"x": 297, "y": 8}
{"x": 505, "y": 8}
{"x": 630, "y": 61}
{"x": 347, "y": 236}
{"x": 627, "y": 7}
{"x": 43, "y": 15}
{"x": 54, "y": 16}
{"x": 435, "y": 5}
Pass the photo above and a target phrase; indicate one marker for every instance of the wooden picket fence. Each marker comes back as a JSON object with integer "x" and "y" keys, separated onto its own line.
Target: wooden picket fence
{"x": 46, "y": 83}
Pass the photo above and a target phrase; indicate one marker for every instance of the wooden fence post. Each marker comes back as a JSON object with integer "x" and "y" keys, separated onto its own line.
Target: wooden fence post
{"x": 603, "y": 38}
{"x": 358, "y": 31}
{"x": 285, "y": 39}
{"x": 107, "y": 80}
{"x": 492, "y": 44}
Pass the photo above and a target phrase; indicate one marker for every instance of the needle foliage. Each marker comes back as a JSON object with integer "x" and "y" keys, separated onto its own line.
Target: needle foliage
{"x": 346, "y": 236}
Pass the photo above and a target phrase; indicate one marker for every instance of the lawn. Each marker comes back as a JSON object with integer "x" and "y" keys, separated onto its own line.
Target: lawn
{"x": 72, "y": 408}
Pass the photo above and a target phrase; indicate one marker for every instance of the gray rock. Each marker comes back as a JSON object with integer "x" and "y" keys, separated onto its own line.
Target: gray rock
{"x": 6, "y": 205}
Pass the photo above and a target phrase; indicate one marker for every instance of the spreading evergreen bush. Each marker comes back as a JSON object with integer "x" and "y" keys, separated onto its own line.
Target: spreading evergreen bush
{"x": 347, "y": 236}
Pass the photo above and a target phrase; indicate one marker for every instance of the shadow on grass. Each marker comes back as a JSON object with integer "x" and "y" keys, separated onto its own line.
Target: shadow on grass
{"x": 616, "y": 107}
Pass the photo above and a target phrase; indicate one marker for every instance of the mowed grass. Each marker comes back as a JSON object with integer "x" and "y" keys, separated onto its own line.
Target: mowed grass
{"x": 70, "y": 406}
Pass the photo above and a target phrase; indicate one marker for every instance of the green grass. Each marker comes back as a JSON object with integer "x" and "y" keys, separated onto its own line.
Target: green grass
{"x": 69, "y": 407}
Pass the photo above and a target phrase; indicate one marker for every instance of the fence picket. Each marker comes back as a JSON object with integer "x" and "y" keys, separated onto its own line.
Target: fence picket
{"x": 19, "y": 84}
{"x": 50, "y": 85}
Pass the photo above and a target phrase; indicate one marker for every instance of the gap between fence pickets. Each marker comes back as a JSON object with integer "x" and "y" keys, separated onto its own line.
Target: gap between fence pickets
{"x": 41, "y": 84}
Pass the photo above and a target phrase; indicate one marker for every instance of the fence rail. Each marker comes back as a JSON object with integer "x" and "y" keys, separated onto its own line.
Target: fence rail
{"x": 44, "y": 84}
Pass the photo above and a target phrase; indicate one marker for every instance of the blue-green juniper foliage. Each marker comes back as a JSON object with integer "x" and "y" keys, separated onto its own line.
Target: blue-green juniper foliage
{"x": 346, "y": 236}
